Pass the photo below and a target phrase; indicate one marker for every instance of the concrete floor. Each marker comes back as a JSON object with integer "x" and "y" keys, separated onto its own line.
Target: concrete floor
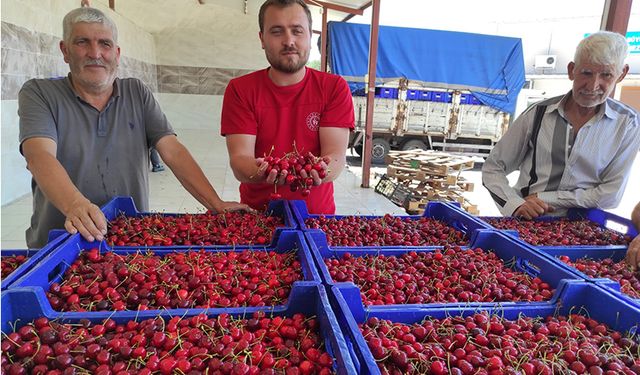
{"x": 167, "y": 195}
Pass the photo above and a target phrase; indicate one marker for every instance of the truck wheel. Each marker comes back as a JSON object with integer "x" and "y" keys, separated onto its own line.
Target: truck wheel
{"x": 414, "y": 144}
{"x": 379, "y": 149}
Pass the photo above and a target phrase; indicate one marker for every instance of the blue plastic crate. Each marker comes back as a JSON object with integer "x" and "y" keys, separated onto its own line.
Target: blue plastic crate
{"x": 576, "y": 297}
{"x": 126, "y": 206}
{"x": 593, "y": 253}
{"x": 465, "y": 98}
{"x": 23, "y": 305}
{"x": 602, "y": 218}
{"x": 474, "y": 101}
{"x": 441, "y": 96}
{"x": 525, "y": 259}
{"x": 425, "y": 96}
{"x": 52, "y": 269}
{"x": 34, "y": 255}
{"x": 414, "y": 94}
{"x": 448, "y": 212}
{"x": 386, "y": 92}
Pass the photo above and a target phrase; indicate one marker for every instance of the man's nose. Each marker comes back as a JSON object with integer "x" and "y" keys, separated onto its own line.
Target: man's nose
{"x": 289, "y": 39}
{"x": 93, "y": 51}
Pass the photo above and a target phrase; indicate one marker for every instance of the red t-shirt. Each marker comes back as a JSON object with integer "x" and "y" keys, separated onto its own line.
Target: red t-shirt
{"x": 279, "y": 116}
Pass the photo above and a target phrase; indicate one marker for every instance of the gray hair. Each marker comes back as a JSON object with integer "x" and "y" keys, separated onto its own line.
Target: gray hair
{"x": 603, "y": 48}
{"x": 88, "y": 15}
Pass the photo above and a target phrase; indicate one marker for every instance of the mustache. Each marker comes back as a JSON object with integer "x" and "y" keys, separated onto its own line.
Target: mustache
{"x": 589, "y": 92}
{"x": 290, "y": 49}
{"x": 99, "y": 62}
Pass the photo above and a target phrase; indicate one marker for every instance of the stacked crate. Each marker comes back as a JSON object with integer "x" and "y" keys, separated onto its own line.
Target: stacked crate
{"x": 413, "y": 346}
{"x": 430, "y": 176}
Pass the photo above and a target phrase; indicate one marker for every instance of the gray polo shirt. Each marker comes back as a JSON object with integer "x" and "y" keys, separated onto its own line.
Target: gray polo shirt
{"x": 106, "y": 153}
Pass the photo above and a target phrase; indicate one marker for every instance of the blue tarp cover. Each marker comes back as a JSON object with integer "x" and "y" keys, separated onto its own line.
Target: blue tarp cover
{"x": 491, "y": 67}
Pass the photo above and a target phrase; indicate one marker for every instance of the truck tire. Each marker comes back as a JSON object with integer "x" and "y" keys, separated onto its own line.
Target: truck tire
{"x": 379, "y": 149}
{"x": 414, "y": 144}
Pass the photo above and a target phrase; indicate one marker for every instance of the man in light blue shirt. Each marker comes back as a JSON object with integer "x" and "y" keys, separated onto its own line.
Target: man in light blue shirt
{"x": 574, "y": 150}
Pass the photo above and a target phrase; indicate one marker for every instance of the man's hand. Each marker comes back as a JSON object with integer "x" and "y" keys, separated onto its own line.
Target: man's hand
{"x": 274, "y": 176}
{"x": 224, "y": 206}
{"x": 532, "y": 208}
{"x": 633, "y": 254}
{"x": 317, "y": 175}
{"x": 86, "y": 218}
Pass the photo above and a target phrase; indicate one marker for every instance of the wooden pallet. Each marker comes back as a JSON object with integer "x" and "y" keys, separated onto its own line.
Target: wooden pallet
{"x": 430, "y": 162}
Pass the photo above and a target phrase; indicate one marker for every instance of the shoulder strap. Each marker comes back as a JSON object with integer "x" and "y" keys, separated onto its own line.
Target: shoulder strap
{"x": 537, "y": 123}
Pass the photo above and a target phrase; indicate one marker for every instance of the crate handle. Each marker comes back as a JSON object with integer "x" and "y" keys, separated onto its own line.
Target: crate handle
{"x": 528, "y": 267}
{"x": 616, "y": 226}
{"x": 56, "y": 272}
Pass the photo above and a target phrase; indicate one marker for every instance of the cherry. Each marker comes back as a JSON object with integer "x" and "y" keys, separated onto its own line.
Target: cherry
{"x": 560, "y": 232}
{"x": 11, "y": 263}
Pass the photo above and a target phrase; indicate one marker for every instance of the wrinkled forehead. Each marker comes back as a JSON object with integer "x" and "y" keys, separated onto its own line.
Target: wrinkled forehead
{"x": 595, "y": 67}
{"x": 91, "y": 29}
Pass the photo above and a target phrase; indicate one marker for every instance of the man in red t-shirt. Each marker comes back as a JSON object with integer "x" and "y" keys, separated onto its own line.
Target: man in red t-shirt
{"x": 286, "y": 107}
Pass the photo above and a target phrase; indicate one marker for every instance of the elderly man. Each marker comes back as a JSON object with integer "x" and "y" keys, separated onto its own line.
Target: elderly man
{"x": 573, "y": 150}
{"x": 86, "y": 137}
{"x": 286, "y": 107}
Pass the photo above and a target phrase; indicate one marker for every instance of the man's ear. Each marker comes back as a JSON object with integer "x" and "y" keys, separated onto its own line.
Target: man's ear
{"x": 260, "y": 35}
{"x": 65, "y": 51}
{"x": 570, "y": 68}
{"x": 625, "y": 70}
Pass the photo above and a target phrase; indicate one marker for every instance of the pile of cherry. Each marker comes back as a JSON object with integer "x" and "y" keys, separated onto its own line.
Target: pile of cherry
{"x": 295, "y": 164}
{"x": 227, "y": 228}
{"x": 195, "y": 279}
{"x": 386, "y": 230}
{"x": 10, "y": 263}
{"x": 197, "y": 345}
{"x": 483, "y": 344}
{"x": 452, "y": 275}
{"x": 617, "y": 271}
{"x": 561, "y": 232}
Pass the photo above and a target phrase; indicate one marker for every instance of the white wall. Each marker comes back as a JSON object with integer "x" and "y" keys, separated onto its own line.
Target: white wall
{"x": 200, "y": 112}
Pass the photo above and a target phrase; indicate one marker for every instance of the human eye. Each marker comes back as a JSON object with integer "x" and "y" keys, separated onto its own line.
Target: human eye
{"x": 298, "y": 31}
{"x": 106, "y": 43}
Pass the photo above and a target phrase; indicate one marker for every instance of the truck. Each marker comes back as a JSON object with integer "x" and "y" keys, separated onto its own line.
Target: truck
{"x": 435, "y": 89}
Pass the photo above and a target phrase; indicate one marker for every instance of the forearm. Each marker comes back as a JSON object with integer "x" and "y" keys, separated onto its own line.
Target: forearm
{"x": 494, "y": 179}
{"x": 54, "y": 181}
{"x": 605, "y": 195}
{"x": 245, "y": 169}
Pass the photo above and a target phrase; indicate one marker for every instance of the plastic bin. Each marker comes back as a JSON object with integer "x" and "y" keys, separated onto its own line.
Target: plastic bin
{"x": 52, "y": 269}
{"x": 425, "y": 96}
{"x": 126, "y": 206}
{"x": 465, "y": 98}
{"x": 34, "y": 255}
{"x": 414, "y": 94}
{"x": 474, "y": 101}
{"x": 441, "y": 96}
{"x": 593, "y": 253}
{"x": 602, "y": 218}
{"x": 575, "y": 297}
{"x": 526, "y": 259}
{"x": 386, "y": 92}
{"x": 23, "y": 305}
{"x": 447, "y": 212}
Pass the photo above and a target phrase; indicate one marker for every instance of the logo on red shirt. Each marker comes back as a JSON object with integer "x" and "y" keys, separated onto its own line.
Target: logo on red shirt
{"x": 313, "y": 121}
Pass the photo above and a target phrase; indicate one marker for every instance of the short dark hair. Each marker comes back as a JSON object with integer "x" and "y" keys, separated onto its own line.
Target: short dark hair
{"x": 282, "y": 4}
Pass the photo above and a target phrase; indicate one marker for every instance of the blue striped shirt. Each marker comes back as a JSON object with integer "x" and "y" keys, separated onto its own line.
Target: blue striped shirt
{"x": 591, "y": 172}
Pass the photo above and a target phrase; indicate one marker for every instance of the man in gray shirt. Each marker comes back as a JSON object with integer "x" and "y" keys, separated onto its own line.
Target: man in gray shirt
{"x": 86, "y": 137}
{"x": 573, "y": 150}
